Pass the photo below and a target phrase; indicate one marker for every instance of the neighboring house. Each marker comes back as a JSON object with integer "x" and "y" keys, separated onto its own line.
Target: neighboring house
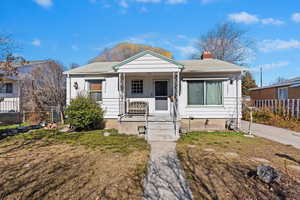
{"x": 188, "y": 94}
{"x": 10, "y": 91}
{"x": 289, "y": 89}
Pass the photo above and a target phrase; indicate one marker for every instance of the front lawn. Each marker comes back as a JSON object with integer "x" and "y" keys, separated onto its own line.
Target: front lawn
{"x": 81, "y": 165}
{"x": 220, "y": 165}
{"x": 11, "y": 126}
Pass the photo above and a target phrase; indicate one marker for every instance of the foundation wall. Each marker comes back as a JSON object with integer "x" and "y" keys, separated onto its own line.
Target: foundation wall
{"x": 203, "y": 124}
{"x": 189, "y": 125}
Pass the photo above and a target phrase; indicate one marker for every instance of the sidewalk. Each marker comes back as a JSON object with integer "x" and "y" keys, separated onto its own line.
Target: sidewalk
{"x": 281, "y": 135}
{"x": 165, "y": 179}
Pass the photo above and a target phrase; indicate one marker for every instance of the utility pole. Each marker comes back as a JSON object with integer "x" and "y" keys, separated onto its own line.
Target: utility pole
{"x": 261, "y": 77}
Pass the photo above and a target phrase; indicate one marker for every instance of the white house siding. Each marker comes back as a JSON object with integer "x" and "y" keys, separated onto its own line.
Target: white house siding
{"x": 225, "y": 111}
{"x": 11, "y": 101}
{"x": 110, "y": 101}
{"x": 110, "y": 93}
{"x": 148, "y": 63}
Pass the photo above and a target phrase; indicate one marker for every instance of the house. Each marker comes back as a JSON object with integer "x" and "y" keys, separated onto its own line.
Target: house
{"x": 152, "y": 93}
{"x": 288, "y": 89}
{"x": 11, "y": 92}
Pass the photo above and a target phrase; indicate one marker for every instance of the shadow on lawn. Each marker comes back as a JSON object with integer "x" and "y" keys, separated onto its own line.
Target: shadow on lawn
{"x": 214, "y": 177}
{"x": 165, "y": 180}
{"x": 287, "y": 157}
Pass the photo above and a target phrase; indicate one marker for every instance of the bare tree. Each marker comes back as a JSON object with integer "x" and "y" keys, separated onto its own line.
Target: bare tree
{"x": 45, "y": 87}
{"x": 8, "y": 59}
{"x": 74, "y": 65}
{"x": 227, "y": 42}
{"x": 279, "y": 79}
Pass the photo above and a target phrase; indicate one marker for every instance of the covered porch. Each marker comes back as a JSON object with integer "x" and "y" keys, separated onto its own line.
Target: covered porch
{"x": 149, "y": 94}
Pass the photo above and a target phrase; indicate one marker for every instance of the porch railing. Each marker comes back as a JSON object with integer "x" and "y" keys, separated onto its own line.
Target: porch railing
{"x": 174, "y": 115}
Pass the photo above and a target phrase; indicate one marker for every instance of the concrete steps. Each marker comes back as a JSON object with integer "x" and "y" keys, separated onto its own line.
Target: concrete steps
{"x": 160, "y": 131}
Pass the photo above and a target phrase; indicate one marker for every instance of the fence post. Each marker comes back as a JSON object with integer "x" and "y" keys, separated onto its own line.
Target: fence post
{"x": 298, "y": 108}
{"x": 293, "y": 107}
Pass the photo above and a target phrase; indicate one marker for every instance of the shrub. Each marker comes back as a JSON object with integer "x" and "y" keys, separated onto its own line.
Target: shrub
{"x": 83, "y": 113}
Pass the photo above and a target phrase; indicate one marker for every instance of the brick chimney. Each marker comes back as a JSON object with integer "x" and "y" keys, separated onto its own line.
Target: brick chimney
{"x": 206, "y": 55}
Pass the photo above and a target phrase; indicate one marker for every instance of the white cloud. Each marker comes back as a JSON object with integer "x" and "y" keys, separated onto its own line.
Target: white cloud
{"x": 275, "y": 45}
{"x": 271, "y": 66}
{"x": 208, "y": 1}
{"x": 44, "y": 3}
{"x": 143, "y": 9}
{"x": 36, "y": 42}
{"x": 296, "y": 17}
{"x": 243, "y": 17}
{"x": 75, "y": 47}
{"x": 176, "y": 1}
{"x": 186, "y": 51}
{"x": 247, "y": 18}
{"x": 271, "y": 21}
{"x": 148, "y": 1}
{"x": 123, "y": 4}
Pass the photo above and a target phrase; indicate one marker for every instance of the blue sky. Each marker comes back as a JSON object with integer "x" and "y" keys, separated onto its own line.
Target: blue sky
{"x": 77, "y": 30}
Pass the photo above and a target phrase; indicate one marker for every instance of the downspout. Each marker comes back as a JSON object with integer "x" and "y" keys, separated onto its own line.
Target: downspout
{"x": 237, "y": 102}
{"x": 69, "y": 100}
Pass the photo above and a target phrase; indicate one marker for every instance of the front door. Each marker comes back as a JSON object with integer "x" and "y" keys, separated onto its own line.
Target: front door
{"x": 161, "y": 95}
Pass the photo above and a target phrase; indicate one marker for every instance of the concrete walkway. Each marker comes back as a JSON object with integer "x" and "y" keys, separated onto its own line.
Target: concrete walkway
{"x": 165, "y": 179}
{"x": 273, "y": 133}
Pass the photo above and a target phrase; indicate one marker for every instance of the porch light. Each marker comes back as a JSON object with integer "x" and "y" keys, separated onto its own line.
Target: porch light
{"x": 75, "y": 85}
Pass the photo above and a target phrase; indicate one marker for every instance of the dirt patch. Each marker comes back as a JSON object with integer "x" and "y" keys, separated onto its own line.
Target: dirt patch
{"x": 215, "y": 176}
{"x": 42, "y": 169}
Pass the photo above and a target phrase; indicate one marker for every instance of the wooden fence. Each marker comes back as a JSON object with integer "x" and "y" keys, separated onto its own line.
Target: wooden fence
{"x": 290, "y": 107}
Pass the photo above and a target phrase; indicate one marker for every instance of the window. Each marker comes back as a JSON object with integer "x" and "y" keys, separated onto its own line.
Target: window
{"x": 95, "y": 89}
{"x": 283, "y": 93}
{"x": 6, "y": 88}
{"x": 137, "y": 86}
{"x": 205, "y": 93}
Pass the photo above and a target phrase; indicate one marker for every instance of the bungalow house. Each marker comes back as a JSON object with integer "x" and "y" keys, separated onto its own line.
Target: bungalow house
{"x": 288, "y": 89}
{"x": 159, "y": 96}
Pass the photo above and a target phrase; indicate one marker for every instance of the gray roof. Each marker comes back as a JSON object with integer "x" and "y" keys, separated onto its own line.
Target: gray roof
{"x": 282, "y": 84}
{"x": 206, "y": 65}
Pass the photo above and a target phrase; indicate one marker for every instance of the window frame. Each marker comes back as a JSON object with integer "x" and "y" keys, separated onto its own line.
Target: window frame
{"x": 3, "y": 89}
{"x": 95, "y": 91}
{"x": 205, "y": 94}
{"x": 287, "y": 93}
{"x": 132, "y": 89}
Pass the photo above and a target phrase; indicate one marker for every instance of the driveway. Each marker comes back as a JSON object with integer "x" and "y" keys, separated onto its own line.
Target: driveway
{"x": 273, "y": 133}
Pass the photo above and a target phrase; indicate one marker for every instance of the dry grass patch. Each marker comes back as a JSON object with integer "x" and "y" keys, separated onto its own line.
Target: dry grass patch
{"x": 50, "y": 165}
{"x": 218, "y": 166}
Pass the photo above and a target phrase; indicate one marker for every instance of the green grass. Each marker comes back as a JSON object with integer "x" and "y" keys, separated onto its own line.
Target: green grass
{"x": 12, "y": 126}
{"x": 117, "y": 143}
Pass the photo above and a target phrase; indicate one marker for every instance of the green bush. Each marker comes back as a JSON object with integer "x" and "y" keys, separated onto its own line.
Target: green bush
{"x": 83, "y": 113}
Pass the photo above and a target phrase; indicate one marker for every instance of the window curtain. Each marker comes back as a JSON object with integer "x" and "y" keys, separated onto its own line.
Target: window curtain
{"x": 195, "y": 93}
{"x": 214, "y": 92}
